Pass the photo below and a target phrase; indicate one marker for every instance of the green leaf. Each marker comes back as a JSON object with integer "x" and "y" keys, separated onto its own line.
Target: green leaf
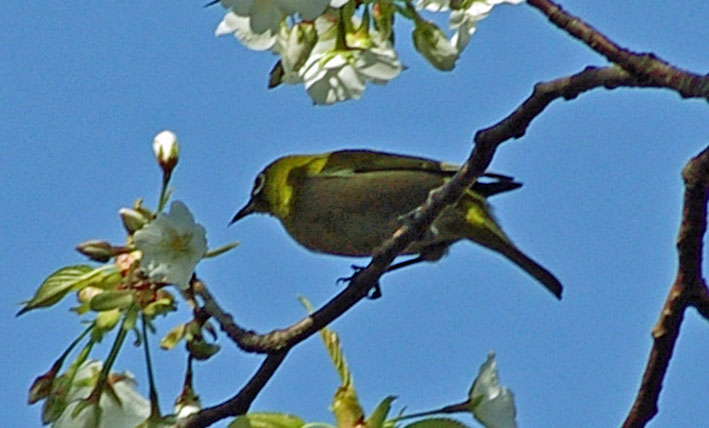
{"x": 221, "y": 250}
{"x": 173, "y": 337}
{"x": 267, "y": 420}
{"x": 332, "y": 345}
{"x": 61, "y": 282}
{"x": 377, "y": 418}
{"x": 346, "y": 408}
{"x": 437, "y": 423}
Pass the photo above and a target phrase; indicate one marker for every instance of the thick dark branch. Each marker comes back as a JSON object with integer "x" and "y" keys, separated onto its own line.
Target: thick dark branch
{"x": 688, "y": 289}
{"x": 646, "y": 66}
{"x": 240, "y": 403}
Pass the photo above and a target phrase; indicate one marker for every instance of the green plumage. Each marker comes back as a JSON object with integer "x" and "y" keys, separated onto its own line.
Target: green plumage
{"x": 348, "y": 202}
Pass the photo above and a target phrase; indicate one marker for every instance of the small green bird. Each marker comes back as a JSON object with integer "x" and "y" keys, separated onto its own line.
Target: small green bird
{"x": 349, "y": 202}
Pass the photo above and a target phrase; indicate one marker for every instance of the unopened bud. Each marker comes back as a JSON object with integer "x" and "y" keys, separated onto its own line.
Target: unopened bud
{"x": 42, "y": 386}
{"x": 106, "y": 320}
{"x": 167, "y": 151}
{"x": 133, "y": 220}
{"x": 87, "y": 293}
{"x": 187, "y": 403}
{"x": 200, "y": 349}
{"x": 432, "y": 43}
{"x": 100, "y": 251}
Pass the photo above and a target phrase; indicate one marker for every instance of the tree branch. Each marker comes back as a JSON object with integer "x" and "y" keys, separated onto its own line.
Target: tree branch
{"x": 486, "y": 141}
{"x": 646, "y": 67}
{"x": 688, "y": 289}
{"x": 240, "y": 403}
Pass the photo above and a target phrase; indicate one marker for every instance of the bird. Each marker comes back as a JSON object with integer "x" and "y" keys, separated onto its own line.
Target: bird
{"x": 349, "y": 202}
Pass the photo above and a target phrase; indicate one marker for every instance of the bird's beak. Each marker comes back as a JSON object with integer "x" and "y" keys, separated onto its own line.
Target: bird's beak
{"x": 250, "y": 208}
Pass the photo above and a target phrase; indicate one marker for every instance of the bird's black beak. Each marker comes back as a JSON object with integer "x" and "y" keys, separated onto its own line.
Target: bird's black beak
{"x": 250, "y": 208}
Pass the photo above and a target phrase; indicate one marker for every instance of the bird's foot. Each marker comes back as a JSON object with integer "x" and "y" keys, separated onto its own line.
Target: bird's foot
{"x": 374, "y": 293}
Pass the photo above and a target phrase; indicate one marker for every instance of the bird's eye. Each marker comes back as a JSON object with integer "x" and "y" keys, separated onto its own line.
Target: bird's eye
{"x": 258, "y": 184}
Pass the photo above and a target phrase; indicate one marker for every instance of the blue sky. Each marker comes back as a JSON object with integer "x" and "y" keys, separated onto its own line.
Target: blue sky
{"x": 86, "y": 86}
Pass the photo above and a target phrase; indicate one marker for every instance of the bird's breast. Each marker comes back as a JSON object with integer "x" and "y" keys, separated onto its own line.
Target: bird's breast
{"x": 353, "y": 215}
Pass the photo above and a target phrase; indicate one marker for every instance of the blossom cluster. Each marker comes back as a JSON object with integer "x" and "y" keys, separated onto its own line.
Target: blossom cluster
{"x": 335, "y": 47}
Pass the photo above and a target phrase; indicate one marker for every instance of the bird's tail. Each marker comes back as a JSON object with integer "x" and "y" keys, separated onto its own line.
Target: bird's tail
{"x": 473, "y": 219}
{"x": 533, "y": 268}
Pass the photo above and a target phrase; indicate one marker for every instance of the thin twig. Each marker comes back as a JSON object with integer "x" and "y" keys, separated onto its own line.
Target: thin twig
{"x": 646, "y": 66}
{"x": 687, "y": 290}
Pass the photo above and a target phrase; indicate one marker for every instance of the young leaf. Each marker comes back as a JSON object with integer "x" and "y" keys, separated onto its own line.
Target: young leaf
{"x": 437, "y": 423}
{"x": 173, "y": 337}
{"x": 221, "y": 250}
{"x": 377, "y": 418}
{"x": 61, "y": 282}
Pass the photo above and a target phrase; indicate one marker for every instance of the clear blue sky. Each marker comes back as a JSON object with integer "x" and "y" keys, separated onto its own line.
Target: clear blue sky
{"x": 86, "y": 85}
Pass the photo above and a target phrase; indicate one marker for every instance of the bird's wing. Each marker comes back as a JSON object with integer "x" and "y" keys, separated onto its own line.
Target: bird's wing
{"x": 345, "y": 163}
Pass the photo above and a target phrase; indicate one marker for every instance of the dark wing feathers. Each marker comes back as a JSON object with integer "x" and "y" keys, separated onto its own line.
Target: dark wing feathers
{"x": 358, "y": 161}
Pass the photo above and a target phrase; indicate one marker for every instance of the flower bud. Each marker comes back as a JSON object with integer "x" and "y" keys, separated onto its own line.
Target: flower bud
{"x": 200, "y": 349}
{"x": 100, "y": 251}
{"x": 188, "y": 402}
{"x": 432, "y": 43}
{"x": 42, "y": 386}
{"x": 87, "y": 293}
{"x": 133, "y": 220}
{"x": 166, "y": 149}
{"x": 106, "y": 320}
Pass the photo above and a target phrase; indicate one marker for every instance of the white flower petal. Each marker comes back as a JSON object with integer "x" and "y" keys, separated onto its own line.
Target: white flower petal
{"x": 240, "y": 26}
{"x": 335, "y": 80}
{"x": 228, "y": 25}
{"x": 379, "y": 65}
{"x": 495, "y": 403}
{"x": 350, "y": 82}
{"x": 288, "y": 7}
{"x": 132, "y": 410}
{"x": 311, "y": 9}
{"x": 465, "y": 29}
{"x": 434, "y": 5}
{"x": 171, "y": 246}
{"x": 265, "y": 15}
{"x": 242, "y": 7}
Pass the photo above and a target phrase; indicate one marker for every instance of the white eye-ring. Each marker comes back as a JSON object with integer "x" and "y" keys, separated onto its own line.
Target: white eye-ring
{"x": 258, "y": 184}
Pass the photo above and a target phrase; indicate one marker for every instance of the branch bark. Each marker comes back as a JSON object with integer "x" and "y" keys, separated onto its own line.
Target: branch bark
{"x": 240, "y": 403}
{"x": 688, "y": 289}
{"x": 646, "y": 66}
